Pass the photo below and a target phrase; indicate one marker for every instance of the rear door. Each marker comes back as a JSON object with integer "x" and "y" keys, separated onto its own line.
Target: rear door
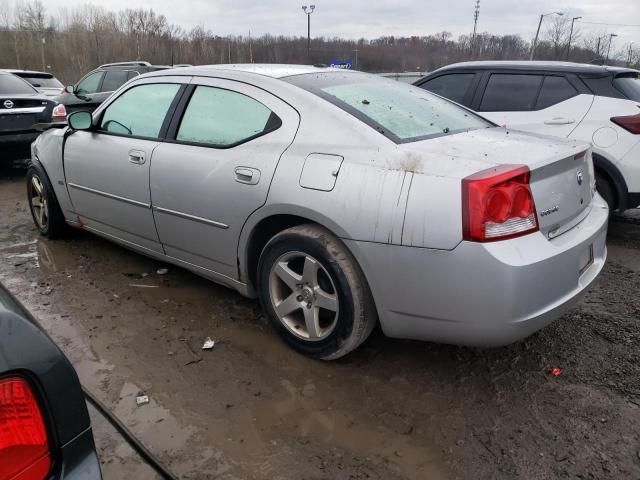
{"x": 539, "y": 102}
{"x": 215, "y": 169}
{"x": 107, "y": 169}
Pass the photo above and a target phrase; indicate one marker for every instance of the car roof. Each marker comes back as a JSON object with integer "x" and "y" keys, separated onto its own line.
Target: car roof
{"x": 265, "y": 69}
{"x": 547, "y": 66}
{"x": 19, "y": 72}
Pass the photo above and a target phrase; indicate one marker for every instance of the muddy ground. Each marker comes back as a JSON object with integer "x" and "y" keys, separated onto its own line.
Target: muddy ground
{"x": 253, "y": 409}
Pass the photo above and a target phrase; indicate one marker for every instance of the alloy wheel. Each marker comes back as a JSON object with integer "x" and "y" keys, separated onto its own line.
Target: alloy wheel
{"x": 303, "y": 296}
{"x": 39, "y": 204}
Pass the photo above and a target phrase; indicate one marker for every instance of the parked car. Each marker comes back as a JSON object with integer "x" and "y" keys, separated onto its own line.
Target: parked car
{"x": 597, "y": 104}
{"x": 44, "y": 82}
{"x": 96, "y": 86}
{"x": 338, "y": 198}
{"x": 45, "y": 431}
{"x": 22, "y": 106}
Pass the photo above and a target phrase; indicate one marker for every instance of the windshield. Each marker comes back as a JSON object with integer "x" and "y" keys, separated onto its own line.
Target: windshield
{"x": 629, "y": 85}
{"x": 12, "y": 85}
{"x": 399, "y": 111}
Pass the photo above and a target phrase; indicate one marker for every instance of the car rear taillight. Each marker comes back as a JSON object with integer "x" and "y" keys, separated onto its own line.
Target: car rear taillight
{"x": 24, "y": 445}
{"x": 631, "y": 123}
{"x": 498, "y": 204}
{"x": 59, "y": 113}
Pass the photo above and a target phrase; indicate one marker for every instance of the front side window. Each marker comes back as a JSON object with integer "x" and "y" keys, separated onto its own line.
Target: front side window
{"x": 113, "y": 80}
{"x": 453, "y": 86}
{"x": 140, "y": 111}
{"x": 89, "y": 84}
{"x": 555, "y": 90}
{"x": 401, "y": 112}
{"x": 223, "y": 118}
{"x": 511, "y": 93}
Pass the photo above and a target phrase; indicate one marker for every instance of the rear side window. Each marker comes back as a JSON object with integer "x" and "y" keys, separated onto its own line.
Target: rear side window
{"x": 511, "y": 93}
{"x": 140, "y": 111}
{"x": 223, "y": 118}
{"x": 113, "y": 80}
{"x": 90, "y": 83}
{"x": 555, "y": 90}
{"x": 10, "y": 85}
{"x": 453, "y": 86}
{"x": 629, "y": 85}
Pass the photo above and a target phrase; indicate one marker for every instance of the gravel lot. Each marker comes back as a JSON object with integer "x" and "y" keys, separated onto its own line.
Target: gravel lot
{"x": 253, "y": 409}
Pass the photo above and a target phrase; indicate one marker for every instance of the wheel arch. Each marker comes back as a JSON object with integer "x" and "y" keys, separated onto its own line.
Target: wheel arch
{"x": 266, "y": 223}
{"x": 608, "y": 169}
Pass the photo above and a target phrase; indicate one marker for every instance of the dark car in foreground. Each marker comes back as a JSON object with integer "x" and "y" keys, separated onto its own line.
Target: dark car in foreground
{"x": 96, "y": 86}
{"x": 44, "y": 82}
{"x": 22, "y": 106}
{"x": 45, "y": 431}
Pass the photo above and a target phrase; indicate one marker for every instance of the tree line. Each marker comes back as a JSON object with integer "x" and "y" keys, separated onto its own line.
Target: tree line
{"x": 70, "y": 42}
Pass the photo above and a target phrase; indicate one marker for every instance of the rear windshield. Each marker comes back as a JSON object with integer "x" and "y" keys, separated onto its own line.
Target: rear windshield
{"x": 401, "y": 112}
{"x": 629, "y": 85}
{"x": 11, "y": 85}
{"x": 43, "y": 82}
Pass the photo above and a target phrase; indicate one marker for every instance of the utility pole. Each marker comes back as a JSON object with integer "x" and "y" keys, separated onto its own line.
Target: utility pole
{"x": 611, "y": 35}
{"x": 229, "y": 45}
{"x": 250, "y": 49}
{"x": 44, "y": 63}
{"x": 571, "y": 35}
{"x": 308, "y": 10}
{"x": 355, "y": 51}
{"x": 476, "y": 14}
{"x": 630, "y": 57}
{"x": 535, "y": 42}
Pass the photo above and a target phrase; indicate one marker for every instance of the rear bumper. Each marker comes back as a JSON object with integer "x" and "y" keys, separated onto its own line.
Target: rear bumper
{"x": 484, "y": 295}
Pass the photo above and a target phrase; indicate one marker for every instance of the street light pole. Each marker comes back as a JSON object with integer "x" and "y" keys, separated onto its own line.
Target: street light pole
{"x": 308, "y": 10}
{"x": 535, "y": 42}
{"x": 571, "y": 35}
{"x": 611, "y": 35}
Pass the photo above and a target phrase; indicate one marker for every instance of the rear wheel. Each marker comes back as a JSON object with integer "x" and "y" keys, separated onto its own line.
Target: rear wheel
{"x": 43, "y": 204}
{"x": 314, "y": 293}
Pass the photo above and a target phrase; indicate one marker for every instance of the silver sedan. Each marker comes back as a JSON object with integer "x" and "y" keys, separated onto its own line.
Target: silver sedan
{"x": 340, "y": 199}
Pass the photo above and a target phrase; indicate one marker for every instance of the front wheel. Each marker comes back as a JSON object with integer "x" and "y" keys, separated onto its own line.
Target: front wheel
{"x": 43, "y": 204}
{"x": 314, "y": 293}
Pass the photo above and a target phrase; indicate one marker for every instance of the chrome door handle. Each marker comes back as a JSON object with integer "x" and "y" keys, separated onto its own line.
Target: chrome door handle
{"x": 250, "y": 176}
{"x": 137, "y": 157}
{"x": 560, "y": 121}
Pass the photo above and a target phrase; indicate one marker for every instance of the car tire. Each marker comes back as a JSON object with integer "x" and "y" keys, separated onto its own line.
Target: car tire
{"x": 606, "y": 191}
{"x": 314, "y": 293}
{"x": 44, "y": 205}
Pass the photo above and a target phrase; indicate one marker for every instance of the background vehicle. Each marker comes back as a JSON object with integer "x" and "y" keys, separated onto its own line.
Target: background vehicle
{"x": 44, "y": 82}
{"x": 596, "y": 104}
{"x": 96, "y": 86}
{"x": 45, "y": 431}
{"x": 336, "y": 198}
{"x": 22, "y": 106}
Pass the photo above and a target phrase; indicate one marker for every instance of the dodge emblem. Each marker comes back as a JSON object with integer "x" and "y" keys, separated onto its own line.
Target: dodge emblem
{"x": 8, "y": 104}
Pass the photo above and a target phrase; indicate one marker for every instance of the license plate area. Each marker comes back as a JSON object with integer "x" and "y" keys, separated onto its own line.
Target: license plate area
{"x": 586, "y": 260}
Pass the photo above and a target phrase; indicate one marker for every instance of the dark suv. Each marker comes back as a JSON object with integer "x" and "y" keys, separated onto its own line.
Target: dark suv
{"x": 96, "y": 86}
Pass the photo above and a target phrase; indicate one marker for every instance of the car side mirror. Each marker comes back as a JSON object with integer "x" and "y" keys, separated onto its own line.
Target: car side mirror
{"x": 69, "y": 89}
{"x": 80, "y": 120}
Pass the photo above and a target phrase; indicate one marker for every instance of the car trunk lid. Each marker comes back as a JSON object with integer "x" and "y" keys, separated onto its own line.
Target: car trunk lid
{"x": 562, "y": 180}
{"x": 18, "y": 113}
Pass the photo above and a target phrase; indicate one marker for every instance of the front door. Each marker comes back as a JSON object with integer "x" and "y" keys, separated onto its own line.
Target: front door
{"x": 107, "y": 169}
{"x": 217, "y": 169}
